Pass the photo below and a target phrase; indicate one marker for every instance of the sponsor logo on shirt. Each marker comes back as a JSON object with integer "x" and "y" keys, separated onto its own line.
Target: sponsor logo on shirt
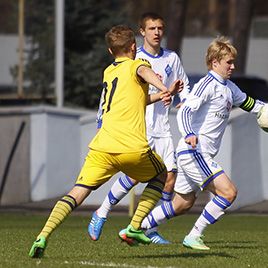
{"x": 221, "y": 115}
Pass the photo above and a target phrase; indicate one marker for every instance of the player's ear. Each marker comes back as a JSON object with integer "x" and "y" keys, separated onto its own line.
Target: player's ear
{"x": 142, "y": 32}
{"x": 133, "y": 46}
{"x": 110, "y": 51}
{"x": 214, "y": 63}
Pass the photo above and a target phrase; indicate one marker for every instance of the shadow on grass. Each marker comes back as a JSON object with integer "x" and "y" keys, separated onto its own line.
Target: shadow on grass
{"x": 185, "y": 255}
{"x": 236, "y": 244}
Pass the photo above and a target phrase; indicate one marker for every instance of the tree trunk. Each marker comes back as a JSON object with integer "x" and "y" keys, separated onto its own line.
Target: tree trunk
{"x": 241, "y": 31}
{"x": 176, "y": 22}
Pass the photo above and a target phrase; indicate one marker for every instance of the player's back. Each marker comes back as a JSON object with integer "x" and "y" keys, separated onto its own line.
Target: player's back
{"x": 123, "y": 108}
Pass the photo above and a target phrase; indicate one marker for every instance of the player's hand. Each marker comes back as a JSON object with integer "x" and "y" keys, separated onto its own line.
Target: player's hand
{"x": 165, "y": 97}
{"x": 176, "y": 87}
{"x": 192, "y": 140}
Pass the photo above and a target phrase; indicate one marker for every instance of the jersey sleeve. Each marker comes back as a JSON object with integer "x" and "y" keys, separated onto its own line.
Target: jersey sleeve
{"x": 194, "y": 101}
{"x": 136, "y": 64}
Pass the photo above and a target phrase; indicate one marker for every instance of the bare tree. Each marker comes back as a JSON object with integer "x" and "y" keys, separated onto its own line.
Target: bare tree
{"x": 176, "y": 23}
{"x": 243, "y": 11}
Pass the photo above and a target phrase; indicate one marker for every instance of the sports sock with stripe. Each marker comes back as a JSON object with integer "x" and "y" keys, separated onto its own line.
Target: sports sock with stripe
{"x": 119, "y": 190}
{"x": 211, "y": 213}
{"x": 149, "y": 198}
{"x": 60, "y": 211}
{"x": 159, "y": 215}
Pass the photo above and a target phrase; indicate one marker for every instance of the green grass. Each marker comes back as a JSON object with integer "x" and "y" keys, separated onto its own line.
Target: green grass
{"x": 235, "y": 241}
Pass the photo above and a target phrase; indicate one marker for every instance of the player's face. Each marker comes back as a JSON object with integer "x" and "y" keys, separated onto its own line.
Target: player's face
{"x": 224, "y": 67}
{"x": 153, "y": 32}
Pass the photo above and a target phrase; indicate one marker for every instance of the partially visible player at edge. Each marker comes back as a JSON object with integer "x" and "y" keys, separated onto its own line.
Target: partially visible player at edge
{"x": 167, "y": 65}
{"x": 125, "y": 84}
{"x": 202, "y": 120}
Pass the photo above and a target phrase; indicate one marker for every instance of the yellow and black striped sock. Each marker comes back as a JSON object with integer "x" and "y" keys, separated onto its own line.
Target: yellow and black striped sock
{"x": 149, "y": 198}
{"x": 60, "y": 211}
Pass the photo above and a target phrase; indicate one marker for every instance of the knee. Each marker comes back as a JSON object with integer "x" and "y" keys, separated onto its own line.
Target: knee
{"x": 231, "y": 194}
{"x": 182, "y": 203}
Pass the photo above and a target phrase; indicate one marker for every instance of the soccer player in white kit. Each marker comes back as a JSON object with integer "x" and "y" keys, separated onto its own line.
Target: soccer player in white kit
{"x": 202, "y": 120}
{"x": 167, "y": 65}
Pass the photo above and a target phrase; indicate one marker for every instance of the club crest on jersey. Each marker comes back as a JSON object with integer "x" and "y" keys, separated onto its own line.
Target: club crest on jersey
{"x": 168, "y": 70}
{"x": 214, "y": 164}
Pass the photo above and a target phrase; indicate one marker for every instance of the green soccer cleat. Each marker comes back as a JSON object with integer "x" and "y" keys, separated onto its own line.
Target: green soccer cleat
{"x": 138, "y": 235}
{"x": 38, "y": 248}
{"x": 194, "y": 242}
{"x": 130, "y": 241}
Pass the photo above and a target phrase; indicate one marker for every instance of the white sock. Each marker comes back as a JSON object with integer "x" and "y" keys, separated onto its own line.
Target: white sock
{"x": 119, "y": 189}
{"x": 158, "y": 215}
{"x": 211, "y": 213}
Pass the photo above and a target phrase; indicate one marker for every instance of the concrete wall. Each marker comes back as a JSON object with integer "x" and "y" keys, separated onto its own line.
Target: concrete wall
{"x": 243, "y": 156}
{"x": 14, "y": 158}
{"x": 47, "y": 159}
{"x": 54, "y": 143}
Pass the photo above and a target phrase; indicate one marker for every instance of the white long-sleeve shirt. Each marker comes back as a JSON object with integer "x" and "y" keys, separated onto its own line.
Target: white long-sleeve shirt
{"x": 168, "y": 67}
{"x": 206, "y": 111}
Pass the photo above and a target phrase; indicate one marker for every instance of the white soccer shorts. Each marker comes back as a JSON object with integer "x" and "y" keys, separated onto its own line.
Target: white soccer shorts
{"x": 195, "y": 171}
{"x": 164, "y": 147}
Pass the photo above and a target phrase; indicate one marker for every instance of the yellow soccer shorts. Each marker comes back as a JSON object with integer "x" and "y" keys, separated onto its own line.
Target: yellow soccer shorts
{"x": 99, "y": 167}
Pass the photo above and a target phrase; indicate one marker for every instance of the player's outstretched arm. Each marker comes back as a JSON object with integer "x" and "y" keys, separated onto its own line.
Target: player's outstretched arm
{"x": 149, "y": 76}
{"x": 164, "y": 96}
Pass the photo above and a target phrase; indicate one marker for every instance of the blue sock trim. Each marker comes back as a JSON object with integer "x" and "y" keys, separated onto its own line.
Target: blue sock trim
{"x": 112, "y": 199}
{"x": 221, "y": 202}
{"x": 126, "y": 183}
{"x": 168, "y": 209}
{"x": 208, "y": 216}
{"x": 151, "y": 220}
{"x": 166, "y": 196}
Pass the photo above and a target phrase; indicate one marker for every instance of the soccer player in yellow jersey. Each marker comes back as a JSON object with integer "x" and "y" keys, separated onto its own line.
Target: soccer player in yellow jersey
{"x": 120, "y": 144}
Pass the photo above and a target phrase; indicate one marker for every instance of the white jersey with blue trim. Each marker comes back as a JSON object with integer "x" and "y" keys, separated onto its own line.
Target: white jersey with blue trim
{"x": 206, "y": 111}
{"x": 168, "y": 67}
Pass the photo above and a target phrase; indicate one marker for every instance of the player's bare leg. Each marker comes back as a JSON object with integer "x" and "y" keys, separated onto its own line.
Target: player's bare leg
{"x": 225, "y": 193}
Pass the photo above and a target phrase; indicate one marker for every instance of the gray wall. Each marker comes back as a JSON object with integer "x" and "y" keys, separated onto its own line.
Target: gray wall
{"x": 54, "y": 143}
{"x": 14, "y": 170}
{"x": 47, "y": 158}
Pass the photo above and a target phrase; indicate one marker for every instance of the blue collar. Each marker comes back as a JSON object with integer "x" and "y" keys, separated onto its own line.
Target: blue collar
{"x": 161, "y": 52}
{"x": 217, "y": 77}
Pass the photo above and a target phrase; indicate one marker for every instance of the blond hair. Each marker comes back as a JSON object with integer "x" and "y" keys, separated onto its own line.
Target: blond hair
{"x": 218, "y": 49}
{"x": 120, "y": 39}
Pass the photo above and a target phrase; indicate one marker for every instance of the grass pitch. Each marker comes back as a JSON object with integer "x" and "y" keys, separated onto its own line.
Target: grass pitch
{"x": 235, "y": 241}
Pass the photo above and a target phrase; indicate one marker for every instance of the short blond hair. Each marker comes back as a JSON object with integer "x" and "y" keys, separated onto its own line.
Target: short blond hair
{"x": 218, "y": 49}
{"x": 119, "y": 39}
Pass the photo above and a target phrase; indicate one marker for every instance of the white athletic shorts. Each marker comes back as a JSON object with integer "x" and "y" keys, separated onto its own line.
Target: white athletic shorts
{"x": 164, "y": 147}
{"x": 195, "y": 171}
